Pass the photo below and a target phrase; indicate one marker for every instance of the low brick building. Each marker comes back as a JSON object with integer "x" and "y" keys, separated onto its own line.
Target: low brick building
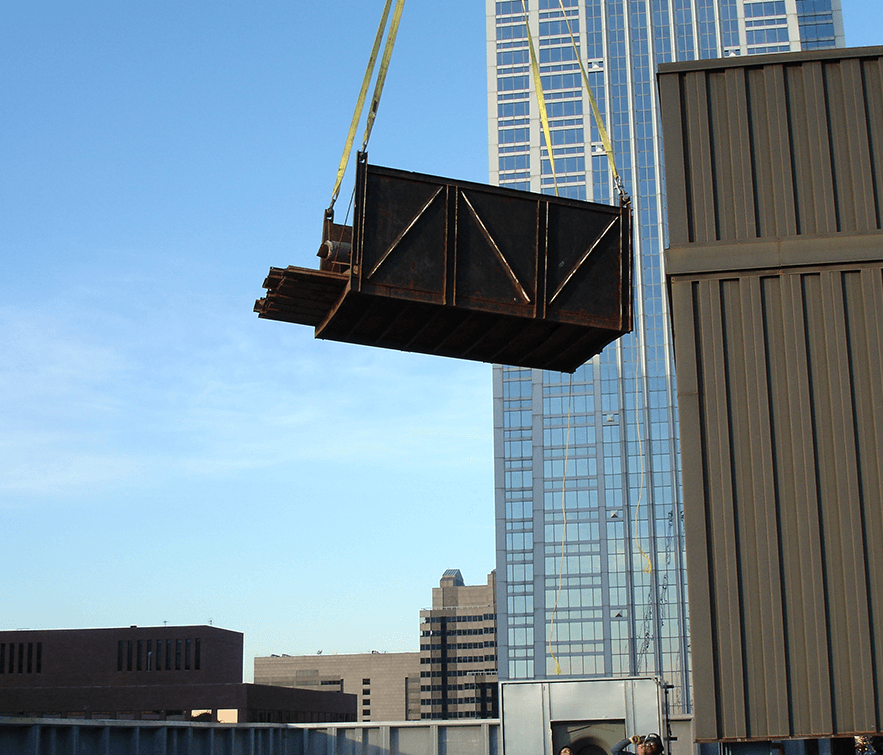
{"x": 458, "y": 650}
{"x": 161, "y": 673}
{"x": 387, "y": 684}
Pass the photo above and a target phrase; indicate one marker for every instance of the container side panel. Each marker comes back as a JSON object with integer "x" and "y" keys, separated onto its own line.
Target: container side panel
{"x": 766, "y": 346}
{"x": 777, "y": 154}
{"x": 872, "y": 90}
{"x": 782, "y": 401}
{"x": 700, "y": 558}
{"x": 676, "y": 156}
{"x": 846, "y": 127}
{"x": 803, "y": 555}
{"x": 726, "y": 584}
{"x": 863, "y": 299}
{"x": 741, "y": 159}
{"x": 496, "y": 258}
{"x": 523, "y": 728}
{"x": 776, "y": 302}
{"x": 755, "y": 496}
{"x": 584, "y": 272}
{"x": 775, "y": 149}
{"x": 827, "y": 414}
{"x": 404, "y": 236}
{"x": 779, "y": 350}
{"x": 701, "y": 173}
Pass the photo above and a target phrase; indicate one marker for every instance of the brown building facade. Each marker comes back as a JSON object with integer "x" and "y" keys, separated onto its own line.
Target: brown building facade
{"x": 387, "y": 685}
{"x": 161, "y": 673}
{"x": 458, "y": 650}
{"x": 774, "y": 172}
{"x": 115, "y": 657}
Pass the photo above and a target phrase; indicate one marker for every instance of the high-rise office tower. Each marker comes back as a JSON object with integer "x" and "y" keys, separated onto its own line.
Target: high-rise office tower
{"x": 589, "y": 532}
{"x": 458, "y": 654}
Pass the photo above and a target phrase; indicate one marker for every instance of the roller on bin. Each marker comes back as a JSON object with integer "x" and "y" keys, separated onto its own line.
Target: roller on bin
{"x": 465, "y": 270}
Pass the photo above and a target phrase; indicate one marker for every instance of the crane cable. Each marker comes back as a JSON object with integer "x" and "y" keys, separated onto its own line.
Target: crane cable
{"x": 541, "y": 100}
{"x": 602, "y": 131}
{"x": 564, "y": 529}
{"x": 378, "y": 89}
{"x": 608, "y": 148}
{"x": 648, "y": 568}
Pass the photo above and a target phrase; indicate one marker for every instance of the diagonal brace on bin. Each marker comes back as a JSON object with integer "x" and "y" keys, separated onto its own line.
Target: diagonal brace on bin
{"x": 465, "y": 270}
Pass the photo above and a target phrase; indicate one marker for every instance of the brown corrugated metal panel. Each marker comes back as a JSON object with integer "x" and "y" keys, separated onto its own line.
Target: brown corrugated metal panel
{"x": 781, "y": 408}
{"x": 774, "y": 170}
{"x": 777, "y": 146}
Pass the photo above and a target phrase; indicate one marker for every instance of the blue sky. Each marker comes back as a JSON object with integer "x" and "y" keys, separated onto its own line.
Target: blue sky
{"x": 164, "y": 454}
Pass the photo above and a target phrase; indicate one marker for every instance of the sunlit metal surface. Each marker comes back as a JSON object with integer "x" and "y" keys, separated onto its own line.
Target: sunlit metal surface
{"x": 36, "y": 736}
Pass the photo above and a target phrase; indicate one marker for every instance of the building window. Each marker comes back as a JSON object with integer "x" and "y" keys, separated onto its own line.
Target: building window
{"x": 197, "y": 658}
{"x": 177, "y": 655}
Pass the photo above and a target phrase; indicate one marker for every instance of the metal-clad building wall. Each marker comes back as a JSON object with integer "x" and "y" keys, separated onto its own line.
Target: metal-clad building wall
{"x": 775, "y": 272}
{"x": 781, "y": 409}
{"x": 59, "y": 737}
{"x": 784, "y": 145}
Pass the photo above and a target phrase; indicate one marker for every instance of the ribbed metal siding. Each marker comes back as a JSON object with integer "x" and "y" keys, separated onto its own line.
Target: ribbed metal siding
{"x": 774, "y": 175}
{"x": 781, "y": 401}
{"x": 60, "y": 737}
{"x": 790, "y": 145}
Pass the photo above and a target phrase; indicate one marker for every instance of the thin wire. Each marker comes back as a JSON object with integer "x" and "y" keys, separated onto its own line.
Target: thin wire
{"x": 602, "y": 131}
{"x": 349, "y": 206}
{"x": 564, "y": 532}
{"x": 541, "y": 99}
{"x": 649, "y": 566}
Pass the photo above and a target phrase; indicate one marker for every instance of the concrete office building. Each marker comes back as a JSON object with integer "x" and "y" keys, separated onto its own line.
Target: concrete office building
{"x": 458, "y": 653}
{"x": 589, "y": 533}
{"x": 453, "y": 676}
{"x": 147, "y": 673}
{"x": 387, "y": 684}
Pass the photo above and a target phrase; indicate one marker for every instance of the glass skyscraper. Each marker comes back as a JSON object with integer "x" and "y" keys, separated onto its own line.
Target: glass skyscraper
{"x": 589, "y": 532}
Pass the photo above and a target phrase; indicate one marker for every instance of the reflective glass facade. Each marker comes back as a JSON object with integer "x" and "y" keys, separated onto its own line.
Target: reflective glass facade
{"x": 589, "y": 521}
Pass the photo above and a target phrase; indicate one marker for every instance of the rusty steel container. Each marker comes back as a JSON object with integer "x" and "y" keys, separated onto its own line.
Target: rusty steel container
{"x": 465, "y": 270}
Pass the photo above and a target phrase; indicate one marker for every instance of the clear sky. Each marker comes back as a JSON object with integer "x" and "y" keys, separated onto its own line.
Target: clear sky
{"x": 166, "y": 456}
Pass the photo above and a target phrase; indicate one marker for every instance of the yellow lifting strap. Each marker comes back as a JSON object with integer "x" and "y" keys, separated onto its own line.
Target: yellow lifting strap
{"x": 378, "y": 88}
{"x": 541, "y": 100}
{"x": 384, "y": 67}
{"x": 602, "y": 131}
